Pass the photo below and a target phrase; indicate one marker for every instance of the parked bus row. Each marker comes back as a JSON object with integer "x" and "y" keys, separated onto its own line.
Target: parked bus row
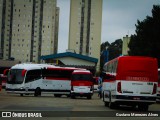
{"x": 35, "y": 79}
{"x": 131, "y": 81}
{"x": 126, "y": 80}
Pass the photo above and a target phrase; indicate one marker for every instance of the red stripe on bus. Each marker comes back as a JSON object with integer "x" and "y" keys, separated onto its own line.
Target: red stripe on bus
{"x": 53, "y": 78}
{"x": 109, "y": 80}
{"x": 81, "y": 83}
{"x": 127, "y": 80}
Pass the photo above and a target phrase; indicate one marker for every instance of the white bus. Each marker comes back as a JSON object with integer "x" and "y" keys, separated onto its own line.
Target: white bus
{"x": 158, "y": 88}
{"x": 39, "y": 78}
{"x": 130, "y": 80}
{"x": 82, "y": 84}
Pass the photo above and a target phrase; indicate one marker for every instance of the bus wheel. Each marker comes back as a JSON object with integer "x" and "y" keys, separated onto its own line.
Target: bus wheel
{"x": 37, "y": 92}
{"x": 68, "y": 95}
{"x": 21, "y": 94}
{"x": 106, "y": 104}
{"x": 57, "y": 95}
{"x": 89, "y": 97}
{"x": 111, "y": 105}
{"x": 143, "y": 107}
{"x": 73, "y": 97}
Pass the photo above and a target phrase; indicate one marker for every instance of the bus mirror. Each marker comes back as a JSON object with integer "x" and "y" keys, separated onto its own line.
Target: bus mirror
{"x": 23, "y": 72}
{"x": 5, "y": 72}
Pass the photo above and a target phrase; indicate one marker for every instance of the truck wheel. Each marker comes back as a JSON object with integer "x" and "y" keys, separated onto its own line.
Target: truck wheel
{"x": 37, "y": 92}
{"x": 21, "y": 94}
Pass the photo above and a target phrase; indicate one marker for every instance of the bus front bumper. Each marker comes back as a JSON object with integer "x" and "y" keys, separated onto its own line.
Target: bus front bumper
{"x": 136, "y": 99}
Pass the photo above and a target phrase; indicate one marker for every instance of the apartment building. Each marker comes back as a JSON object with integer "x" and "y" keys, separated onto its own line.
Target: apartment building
{"x": 30, "y": 27}
{"x": 85, "y": 27}
{"x": 125, "y": 48}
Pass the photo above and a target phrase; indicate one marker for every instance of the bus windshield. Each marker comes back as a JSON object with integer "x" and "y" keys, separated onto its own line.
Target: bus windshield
{"x": 82, "y": 77}
{"x": 15, "y": 76}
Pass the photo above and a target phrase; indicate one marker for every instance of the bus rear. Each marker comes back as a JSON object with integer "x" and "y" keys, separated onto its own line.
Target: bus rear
{"x": 135, "y": 82}
{"x": 82, "y": 84}
{"x": 158, "y": 88}
{"x": 0, "y": 84}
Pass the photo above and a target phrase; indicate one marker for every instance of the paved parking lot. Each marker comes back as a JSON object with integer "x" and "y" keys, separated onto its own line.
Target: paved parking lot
{"x": 47, "y": 103}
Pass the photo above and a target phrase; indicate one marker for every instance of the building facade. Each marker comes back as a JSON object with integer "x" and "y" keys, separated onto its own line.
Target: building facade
{"x": 29, "y": 29}
{"x": 125, "y": 48}
{"x": 85, "y": 27}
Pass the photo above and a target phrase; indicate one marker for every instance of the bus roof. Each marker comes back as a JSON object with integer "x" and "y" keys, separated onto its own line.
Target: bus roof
{"x": 130, "y": 57}
{"x": 29, "y": 66}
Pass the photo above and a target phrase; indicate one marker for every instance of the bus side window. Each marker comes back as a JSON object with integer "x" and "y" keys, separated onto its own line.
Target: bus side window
{"x": 33, "y": 75}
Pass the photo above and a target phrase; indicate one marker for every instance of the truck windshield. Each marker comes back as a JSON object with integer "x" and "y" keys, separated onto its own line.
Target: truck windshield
{"x": 82, "y": 77}
{"x": 15, "y": 76}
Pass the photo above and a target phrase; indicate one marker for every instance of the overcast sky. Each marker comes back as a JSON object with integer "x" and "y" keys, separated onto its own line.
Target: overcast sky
{"x": 118, "y": 19}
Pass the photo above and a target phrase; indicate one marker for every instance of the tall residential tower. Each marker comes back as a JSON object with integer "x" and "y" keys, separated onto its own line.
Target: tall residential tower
{"x": 85, "y": 27}
{"x": 29, "y": 29}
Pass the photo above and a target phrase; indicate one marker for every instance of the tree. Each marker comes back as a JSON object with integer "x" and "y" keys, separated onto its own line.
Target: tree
{"x": 146, "y": 41}
{"x": 114, "y": 50}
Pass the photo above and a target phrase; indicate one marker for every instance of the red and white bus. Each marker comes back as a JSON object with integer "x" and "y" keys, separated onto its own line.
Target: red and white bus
{"x": 3, "y": 77}
{"x": 82, "y": 84}
{"x": 158, "y": 89}
{"x": 39, "y": 78}
{"x": 96, "y": 84}
{"x": 0, "y": 85}
{"x": 130, "y": 80}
